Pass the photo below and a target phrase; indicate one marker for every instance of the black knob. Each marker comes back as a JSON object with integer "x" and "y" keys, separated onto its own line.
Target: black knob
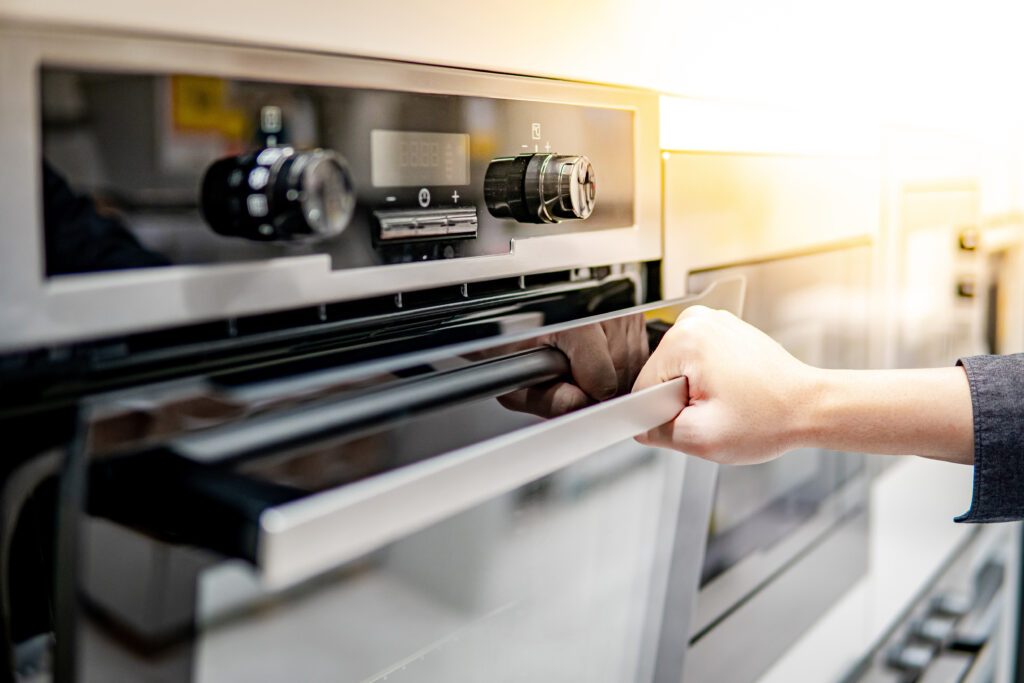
{"x": 278, "y": 193}
{"x": 540, "y": 188}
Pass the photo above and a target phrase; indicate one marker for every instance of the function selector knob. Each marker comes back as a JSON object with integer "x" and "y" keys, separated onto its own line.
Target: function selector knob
{"x": 540, "y": 188}
{"x": 278, "y": 193}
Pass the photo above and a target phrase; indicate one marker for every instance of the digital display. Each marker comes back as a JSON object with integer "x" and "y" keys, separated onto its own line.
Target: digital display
{"x": 401, "y": 158}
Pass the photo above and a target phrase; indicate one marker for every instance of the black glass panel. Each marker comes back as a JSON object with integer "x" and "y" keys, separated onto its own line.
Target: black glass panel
{"x": 125, "y": 158}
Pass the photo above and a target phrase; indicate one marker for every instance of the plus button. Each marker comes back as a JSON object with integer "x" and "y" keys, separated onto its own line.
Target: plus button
{"x": 547, "y": 146}
{"x": 455, "y": 196}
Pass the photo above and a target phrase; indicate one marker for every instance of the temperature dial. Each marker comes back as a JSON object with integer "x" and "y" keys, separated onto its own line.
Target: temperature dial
{"x": 540, "y": 188}
{"x": 279, "y": 193}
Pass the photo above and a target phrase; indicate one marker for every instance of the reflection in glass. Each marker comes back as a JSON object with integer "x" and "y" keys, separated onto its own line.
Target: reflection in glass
{"x": 817, "y": 307}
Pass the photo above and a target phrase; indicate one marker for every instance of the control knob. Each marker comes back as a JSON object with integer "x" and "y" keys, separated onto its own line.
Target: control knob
{"x": 540, "y": 188}
{"x": 278, "y": 193}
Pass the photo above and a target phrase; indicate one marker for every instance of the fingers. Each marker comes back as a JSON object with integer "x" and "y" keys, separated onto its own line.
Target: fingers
{"x": 696, "y": 431}
{"x": 604, "y": 359}
{"x": 551, "y": 399}
{"x": 649, "y": 374}
{"x": 619, "y": 351}
{"x": 667, "y": 362}
{"x": 681, "y": 347}
{"x": 627, "y": 347}
{"x": 639, "y": 350}
{"x": 741, "y": 387}
{"x": 590, "y": 361}
{"x": 683, "y": 433}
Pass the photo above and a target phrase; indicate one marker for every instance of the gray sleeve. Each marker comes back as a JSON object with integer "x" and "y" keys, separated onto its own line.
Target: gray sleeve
{"x": 997, "y": 397}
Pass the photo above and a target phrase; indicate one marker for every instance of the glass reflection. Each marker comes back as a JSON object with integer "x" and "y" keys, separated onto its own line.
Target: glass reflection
{"x": 818, "y": 307}
{"x": 604, "y": 361}
{"x": 85, "y": 235}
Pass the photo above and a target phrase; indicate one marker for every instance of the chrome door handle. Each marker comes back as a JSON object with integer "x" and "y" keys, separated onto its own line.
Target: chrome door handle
{"x": 302, "y": 538}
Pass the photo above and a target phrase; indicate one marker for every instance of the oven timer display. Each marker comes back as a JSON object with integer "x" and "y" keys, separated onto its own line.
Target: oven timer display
{"x": 401, "y": 158}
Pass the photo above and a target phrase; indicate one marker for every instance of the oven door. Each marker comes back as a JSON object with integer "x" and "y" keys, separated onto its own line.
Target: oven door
{"x": 787, "y": 537}
{"x": 400, "y": 519}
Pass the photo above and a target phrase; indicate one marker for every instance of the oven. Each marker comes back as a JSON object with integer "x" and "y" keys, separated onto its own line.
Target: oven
{"x": 782, "y": 542}
{"x": 293, "y": 371}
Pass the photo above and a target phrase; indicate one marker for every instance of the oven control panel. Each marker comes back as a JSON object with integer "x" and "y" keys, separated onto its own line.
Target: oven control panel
{"x": 202, "y": 169}
{"x": 164, "y": 183}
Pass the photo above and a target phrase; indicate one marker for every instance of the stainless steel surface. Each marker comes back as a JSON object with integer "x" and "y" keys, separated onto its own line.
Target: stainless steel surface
{"x": 771, "y": 522}
{"x": 771, "y": 620}
{"x": 78, "y": 307}
{"x": 934, "y": 260}
{"x": 678, "y": 611}
{"x": 730, "y": 209}
{"x": 757, "y": 570}
{"x": 968, "y": 593}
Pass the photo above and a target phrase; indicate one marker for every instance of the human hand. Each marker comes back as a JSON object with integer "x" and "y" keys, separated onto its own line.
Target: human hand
{"x": 604, "y": 360}
{"x": 746, "y": 392}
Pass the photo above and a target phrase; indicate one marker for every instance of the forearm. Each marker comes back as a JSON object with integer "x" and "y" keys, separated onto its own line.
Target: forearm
{"x": 921, "y": 412}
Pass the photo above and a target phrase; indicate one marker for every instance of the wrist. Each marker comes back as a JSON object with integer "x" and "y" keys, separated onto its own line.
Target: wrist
{"x": 813, "y": 394}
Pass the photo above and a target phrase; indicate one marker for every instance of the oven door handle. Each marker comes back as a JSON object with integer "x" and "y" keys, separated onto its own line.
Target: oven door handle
{"x": 297, "y": 540}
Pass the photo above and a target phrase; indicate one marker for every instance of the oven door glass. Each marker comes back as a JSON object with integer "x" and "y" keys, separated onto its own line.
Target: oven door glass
{"x": 407, "y": 519}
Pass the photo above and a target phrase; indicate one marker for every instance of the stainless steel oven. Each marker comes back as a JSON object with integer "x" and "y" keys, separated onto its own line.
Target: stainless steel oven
{"x": 273, "y": 329}
{"x": 782, "y": 542}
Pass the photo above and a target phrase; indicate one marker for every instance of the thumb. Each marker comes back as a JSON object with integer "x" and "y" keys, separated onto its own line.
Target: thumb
{"x": 687, "y": 433}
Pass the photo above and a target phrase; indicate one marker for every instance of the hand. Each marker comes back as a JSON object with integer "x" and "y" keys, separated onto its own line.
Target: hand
{"x": 745, "y": 391}
{"x": 604, "y": 360}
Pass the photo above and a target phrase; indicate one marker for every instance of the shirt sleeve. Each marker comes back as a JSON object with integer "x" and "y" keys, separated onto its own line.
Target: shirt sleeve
{"x": 997, "y": 398}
